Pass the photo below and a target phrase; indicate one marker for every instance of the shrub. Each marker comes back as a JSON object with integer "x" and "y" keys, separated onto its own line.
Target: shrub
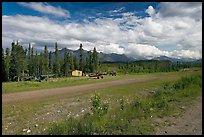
{"x": 122, "y": 103}
{"x": 98, "y": 108}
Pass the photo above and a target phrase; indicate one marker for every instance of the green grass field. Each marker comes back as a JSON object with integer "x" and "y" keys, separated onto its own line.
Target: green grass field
{"x": 26, "y": 114}
{"x": 131, "y": 116}
{"x": 10, "y": 87}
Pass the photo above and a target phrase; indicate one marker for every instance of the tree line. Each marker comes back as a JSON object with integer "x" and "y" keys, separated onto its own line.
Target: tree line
{"x": 150, "y": 66}
{"x": 19, "y": 63}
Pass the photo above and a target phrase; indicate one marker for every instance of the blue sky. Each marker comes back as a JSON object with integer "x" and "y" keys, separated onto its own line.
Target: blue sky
{"x": 82, "y": 10}
{"x": 137, "y": 29}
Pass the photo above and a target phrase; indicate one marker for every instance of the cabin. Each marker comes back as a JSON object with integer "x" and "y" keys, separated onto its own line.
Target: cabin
{"x": 77, "y": 73}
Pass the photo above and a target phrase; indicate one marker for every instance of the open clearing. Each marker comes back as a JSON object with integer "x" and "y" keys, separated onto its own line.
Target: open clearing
{"x": 72, "y": 90}
{"x": 35, "y": 110}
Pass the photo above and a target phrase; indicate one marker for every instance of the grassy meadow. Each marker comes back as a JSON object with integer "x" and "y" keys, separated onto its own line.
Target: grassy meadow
{"x": 132, "y": 116}
{"x": 125, "y": 109}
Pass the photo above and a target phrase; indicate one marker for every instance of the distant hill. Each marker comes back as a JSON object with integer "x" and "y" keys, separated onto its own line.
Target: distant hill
{"x": 113, "y": 57}
{"x": 175, "y": 59}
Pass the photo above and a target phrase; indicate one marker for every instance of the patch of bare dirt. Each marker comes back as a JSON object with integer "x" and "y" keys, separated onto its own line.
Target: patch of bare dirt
{"x": 188, "y": 123}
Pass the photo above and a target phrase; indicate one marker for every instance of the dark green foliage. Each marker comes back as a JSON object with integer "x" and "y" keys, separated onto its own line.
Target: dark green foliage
{"x": 46, "y": 61}
{"x": 150, "y": 66}
{"x": 37, "y": 64}
{"x": 95, "y": 60}
{"x": 29, "y": 60}
{"x": 50, "y": 62}
{"x": 92, "y": 62}
{"x": 89, "y": 62}
{"x": 65, "y": 63}
{"x": 81, "y": 56}
{"x": 56, "y": 66}
{"x": 41, "y": 64}
{"x": 17, "y": 62}
{"x": 32, "y": 63}
{"x": 71, "y": 65}
{"x": 75, "y": 62}
{"x": 7, "y": 61}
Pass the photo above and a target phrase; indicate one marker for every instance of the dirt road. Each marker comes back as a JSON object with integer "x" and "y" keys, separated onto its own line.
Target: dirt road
{"x": 189, "y": 123}
{"x": 37, "y": 94}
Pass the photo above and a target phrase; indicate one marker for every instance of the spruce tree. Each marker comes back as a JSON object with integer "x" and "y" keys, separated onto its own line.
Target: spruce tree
{"x": 32, "y": 64}
{"x": 41, "y": 64}
{"x": 7, "y": 61}
{"x": 13, "y": 62}
{"x": 29, "y": 60}
{"x": 88, "y": 62}
{"x": 36, "y": 62}
{"x": 95, "y": 60}
{"x": 65, "y": 63}
{"x": 46, "y": 61}
{"x": 71, "y": 61}
{"x": 56, "y": 63}
{"x": 50, "y": 62}
{"x": 81, "y": 60}
{"x": 75, "y": 62}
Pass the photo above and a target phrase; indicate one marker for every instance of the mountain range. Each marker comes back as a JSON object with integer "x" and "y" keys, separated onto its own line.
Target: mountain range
{"x": 113, "y": 57}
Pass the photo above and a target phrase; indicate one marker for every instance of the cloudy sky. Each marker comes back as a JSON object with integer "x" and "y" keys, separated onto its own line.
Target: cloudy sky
{"x": 136, "y": 29}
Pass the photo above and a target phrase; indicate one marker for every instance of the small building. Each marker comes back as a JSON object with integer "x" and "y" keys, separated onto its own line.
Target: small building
{"x": 77, "y": 73}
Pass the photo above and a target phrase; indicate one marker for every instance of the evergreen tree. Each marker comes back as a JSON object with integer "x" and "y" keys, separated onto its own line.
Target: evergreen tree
{"x": 56, "y": 63}
{"x": 7, "y": 61}
{"x": 50, "y": 62}
{"x": 36, "y": 63}
{"x": 20, "y": 61}
{"x": 46, "y": 61}
{"x": 75, "y": 62}
{"x": 17, "y": 62}
{"x": 95, "y": 60}
{"x": 32, "y": 64}
{"x": 29, "y": 60}
{"x": 71, "y": 61}
{"x": 24, "y": 67}
{"x": 13, "y": 62}
{"x": 41, "y": 64}
{"x": 81, "y": 60}
{"x": 88, "y": 67}
{"x": 65, "y": 63}
{"x": 91, "y": 61}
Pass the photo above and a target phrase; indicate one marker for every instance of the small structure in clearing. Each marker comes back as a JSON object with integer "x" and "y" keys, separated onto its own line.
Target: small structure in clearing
{"x": 77, "y": 73}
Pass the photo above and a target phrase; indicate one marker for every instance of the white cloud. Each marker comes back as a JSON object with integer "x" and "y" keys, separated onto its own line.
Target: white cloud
{"x": 150, "y": 11}
{"x": 117, "y": 10}
{"x": 111, "y": 48}
{"x": 139, "y": 37}
{"x": 181, "y": 9}
{"x": 46, "y": 8}
{"x": 142, "y": 50}
{"x": 185, "y": 54}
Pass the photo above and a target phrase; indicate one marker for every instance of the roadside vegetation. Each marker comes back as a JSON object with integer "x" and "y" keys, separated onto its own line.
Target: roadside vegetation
{"x": 135, "y": 116}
